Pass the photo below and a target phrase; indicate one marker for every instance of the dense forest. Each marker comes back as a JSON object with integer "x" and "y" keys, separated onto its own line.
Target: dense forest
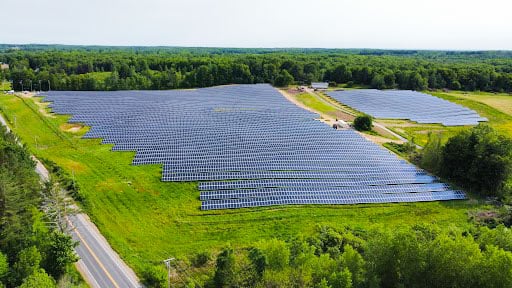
{"x": 119, "y": 68}
{"x": 33, "y": 253}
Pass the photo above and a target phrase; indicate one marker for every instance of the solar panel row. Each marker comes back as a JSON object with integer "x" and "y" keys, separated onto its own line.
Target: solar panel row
{"x": 248, "y": 146}
{"x": 412, "y": 105}
{"x": 351, "y": 199}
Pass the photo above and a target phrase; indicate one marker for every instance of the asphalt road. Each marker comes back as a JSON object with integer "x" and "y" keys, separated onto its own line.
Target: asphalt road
{"x": 99, "y": 264}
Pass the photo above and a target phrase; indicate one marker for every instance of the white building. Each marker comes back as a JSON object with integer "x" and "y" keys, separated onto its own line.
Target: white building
{"x": 319, "y": 85}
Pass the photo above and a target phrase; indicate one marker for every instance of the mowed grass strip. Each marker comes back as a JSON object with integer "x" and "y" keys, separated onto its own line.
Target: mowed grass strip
{"x": 313, "y": 102}
{"x": 146, "y": 220}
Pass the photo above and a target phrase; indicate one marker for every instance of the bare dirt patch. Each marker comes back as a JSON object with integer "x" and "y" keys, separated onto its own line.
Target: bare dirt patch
{"x": 71, "y": 127}
{"x": 379, "y": 139}
{"x": 293, "y": 91}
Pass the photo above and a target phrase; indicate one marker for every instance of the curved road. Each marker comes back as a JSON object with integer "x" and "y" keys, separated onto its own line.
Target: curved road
{"x": 99, "y": 264}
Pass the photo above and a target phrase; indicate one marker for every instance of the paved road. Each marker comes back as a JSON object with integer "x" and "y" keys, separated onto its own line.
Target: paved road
{"x": 99, "y": 264}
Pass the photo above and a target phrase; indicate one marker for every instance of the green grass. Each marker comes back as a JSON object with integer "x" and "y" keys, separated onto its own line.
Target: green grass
{"x": 146, "y": 220}
{"x": 316, "y": 104}
{"x": 499, "y": 101}
{"x": 419, "y": 132}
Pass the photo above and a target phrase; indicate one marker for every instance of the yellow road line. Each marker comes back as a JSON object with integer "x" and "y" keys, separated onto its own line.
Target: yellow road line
{"x": 94, "y": 256}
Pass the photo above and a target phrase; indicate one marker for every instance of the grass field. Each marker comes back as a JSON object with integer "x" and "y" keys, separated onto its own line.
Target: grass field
{"x": 499, "y": 101}
{"x": 146, "y": 220}
{"x": 419, "y": 132}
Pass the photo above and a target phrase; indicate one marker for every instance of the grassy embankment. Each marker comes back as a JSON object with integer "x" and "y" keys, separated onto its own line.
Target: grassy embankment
{"x": 146, "y": 220}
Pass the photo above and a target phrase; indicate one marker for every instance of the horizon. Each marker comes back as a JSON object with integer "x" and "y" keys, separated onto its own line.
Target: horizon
{"x": 388, "y": 25}
{"x": 247, "y": 48}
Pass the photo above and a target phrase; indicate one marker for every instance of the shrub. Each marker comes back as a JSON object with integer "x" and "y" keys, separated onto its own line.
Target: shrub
{"x": 363, "y": 123}
{"x": 201, "y": 259}
{"x": 154, "y": 276}
{"x": 225, "y": 269}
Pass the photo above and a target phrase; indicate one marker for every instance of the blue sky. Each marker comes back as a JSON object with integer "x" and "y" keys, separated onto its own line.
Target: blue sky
{"x": 400, "y": 24}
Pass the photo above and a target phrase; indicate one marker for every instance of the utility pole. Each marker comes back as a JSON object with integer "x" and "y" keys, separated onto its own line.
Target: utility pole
{"x": 48, "y": 85}
{"x": 168, "y": 265}
{"x": 31, "y": 86}
{"x": 40, "y": 90}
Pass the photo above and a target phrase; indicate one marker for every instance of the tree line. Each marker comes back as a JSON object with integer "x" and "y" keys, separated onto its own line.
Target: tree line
{"x": 410, "y": 256}
{"x": 32, "y": 253}
{"x": 477, "y": 159}
{"x": 96, "y": 68}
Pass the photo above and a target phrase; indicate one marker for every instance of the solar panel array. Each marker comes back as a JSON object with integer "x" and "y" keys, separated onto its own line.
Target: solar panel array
{"x": 248, "y": 146}
{"x": 412, "y": 105}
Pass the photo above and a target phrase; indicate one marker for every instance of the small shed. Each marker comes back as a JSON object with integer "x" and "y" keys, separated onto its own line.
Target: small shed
{"x": 319, "y": 85}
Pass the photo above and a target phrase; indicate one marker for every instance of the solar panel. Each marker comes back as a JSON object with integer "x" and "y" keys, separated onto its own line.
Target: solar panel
{"x": 249, "y": 146}
{"x": 411, "y": 105}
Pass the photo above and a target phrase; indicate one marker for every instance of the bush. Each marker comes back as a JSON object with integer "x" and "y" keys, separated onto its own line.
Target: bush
{"x": 225, "y": 269}
{"x": 154, "y": 276}
{"x": 363, "y": 123}
{"x": 275, "y": 252}
{"x": 201, "y": 259}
